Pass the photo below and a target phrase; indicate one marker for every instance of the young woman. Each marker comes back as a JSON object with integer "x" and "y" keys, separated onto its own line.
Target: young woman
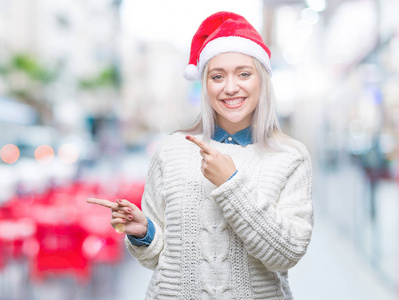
{"x": 227, "y": 206}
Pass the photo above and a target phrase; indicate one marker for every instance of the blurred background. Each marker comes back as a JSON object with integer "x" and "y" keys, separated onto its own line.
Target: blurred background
{"x": 88, "y": 87}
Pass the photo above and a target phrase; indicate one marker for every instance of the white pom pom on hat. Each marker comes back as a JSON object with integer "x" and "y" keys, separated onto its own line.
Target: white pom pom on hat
{"x": 225, "y": 32}
{"x": 191, "y": 72}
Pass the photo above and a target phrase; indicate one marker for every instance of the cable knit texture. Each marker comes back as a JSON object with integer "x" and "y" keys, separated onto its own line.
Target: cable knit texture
{"x": 235, "y": 241}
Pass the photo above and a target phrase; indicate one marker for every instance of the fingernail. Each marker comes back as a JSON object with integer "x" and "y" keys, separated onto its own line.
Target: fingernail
{"x": 130, "y": 217}
{"x": 187, "y": 137}
{"x": 123, "y": 220}
{"x": 128, "y": 210}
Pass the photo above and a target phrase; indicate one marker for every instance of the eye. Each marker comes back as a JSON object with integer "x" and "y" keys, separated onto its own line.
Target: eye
{"x": 217, "y": 77}
{"x": 245, "y": 74}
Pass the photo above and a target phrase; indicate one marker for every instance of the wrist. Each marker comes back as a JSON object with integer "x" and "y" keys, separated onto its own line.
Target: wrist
{"x": 142, "y": 232}
{"x": 147, "y": 239}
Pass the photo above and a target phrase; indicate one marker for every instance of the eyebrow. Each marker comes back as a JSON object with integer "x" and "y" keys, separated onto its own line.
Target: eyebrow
{"x": 236, "y": 69}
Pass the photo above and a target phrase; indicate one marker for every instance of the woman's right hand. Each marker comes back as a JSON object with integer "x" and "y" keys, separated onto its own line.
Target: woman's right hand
{"x": 126, "y": 213}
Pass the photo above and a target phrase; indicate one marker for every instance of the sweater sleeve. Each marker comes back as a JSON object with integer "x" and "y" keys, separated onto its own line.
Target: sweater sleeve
{"x": 275, "y": 232}
{"x": 153, "y": 207}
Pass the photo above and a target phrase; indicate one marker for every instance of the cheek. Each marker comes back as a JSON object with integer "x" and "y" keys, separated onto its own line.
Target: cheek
{"x": 213, "y": 92}
{"x": 210, "y": 87}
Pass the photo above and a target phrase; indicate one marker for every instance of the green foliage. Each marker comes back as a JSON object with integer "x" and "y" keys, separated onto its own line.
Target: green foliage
{"x": 108, "y": 77}
{"x": 29, "y": 65}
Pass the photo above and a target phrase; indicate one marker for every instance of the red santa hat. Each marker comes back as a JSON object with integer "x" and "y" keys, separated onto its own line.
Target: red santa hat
{"x": 225, "y": 32}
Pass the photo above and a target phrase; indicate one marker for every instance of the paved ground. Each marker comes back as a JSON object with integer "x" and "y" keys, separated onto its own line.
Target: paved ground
{"x": 333, "y": 270}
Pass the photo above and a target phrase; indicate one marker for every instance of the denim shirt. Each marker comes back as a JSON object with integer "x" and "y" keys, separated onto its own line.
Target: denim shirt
{"x": 243, "y": 138}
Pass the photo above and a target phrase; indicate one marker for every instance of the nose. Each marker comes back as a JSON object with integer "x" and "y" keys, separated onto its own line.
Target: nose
{"x": 231, "y": 86}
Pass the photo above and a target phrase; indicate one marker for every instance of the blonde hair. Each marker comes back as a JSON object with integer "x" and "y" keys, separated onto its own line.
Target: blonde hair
{"x": 266, "y": 131}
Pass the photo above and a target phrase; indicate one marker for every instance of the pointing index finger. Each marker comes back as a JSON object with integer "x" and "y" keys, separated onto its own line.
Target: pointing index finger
{"x": 102, "y": 202}
{"x": 200, "y": 143}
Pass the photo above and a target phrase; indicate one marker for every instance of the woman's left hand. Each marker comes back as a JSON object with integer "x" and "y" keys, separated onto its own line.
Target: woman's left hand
{"x": 216, "y": 167}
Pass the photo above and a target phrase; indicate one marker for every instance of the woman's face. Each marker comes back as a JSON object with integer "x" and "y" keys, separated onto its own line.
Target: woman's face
{"x": 233, "y": 88}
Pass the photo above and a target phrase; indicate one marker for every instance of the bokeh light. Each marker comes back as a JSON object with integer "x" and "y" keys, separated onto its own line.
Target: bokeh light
{"x": 68, "y": 153}
{"x": 310, "y": 16}
{"x": 44, "y": 154}
{"x": 92, "y": 245}
{"x": 317, "y": 5}
{"x": 9, "y": 153}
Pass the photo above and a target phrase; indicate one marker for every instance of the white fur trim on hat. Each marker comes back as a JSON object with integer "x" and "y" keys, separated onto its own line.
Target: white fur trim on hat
{"x": 233, "y": 44}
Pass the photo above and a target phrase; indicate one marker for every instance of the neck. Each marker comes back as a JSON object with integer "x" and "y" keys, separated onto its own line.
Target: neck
{"x": 231, "y": 127}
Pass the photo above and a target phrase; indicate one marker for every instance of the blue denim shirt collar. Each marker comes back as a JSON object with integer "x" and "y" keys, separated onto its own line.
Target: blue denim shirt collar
{"x": 242, "y": 137}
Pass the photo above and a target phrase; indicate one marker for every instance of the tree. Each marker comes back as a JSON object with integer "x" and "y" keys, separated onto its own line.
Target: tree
{"x": 26, "y": 79}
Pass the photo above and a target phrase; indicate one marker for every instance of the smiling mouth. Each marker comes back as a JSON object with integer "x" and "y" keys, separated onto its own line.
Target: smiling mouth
{"x": 233, "y": 103}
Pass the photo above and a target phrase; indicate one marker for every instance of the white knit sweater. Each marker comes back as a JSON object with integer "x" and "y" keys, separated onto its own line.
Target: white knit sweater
{"x": 235, "y": 241}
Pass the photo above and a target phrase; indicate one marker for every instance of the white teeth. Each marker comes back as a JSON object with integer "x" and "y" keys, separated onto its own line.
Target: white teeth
{"x": 234, "y": 101}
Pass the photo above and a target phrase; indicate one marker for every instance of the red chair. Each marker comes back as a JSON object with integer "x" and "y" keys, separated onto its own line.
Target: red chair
{"x": 66, "y": 235}
{"x": 60, "y": 252}
{"x": 14, "y": 233}
{"x": 2, "y": 258}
